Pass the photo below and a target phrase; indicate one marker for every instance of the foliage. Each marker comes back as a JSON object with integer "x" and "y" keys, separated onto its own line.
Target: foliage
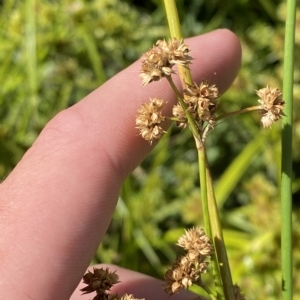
{"x": 74, "y": 46}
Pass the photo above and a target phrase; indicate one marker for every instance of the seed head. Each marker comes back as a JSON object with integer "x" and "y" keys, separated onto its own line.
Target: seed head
{"x": 180, "y": 276}
{"x": 196, "y": 241}
{"x": 202, "y": 100}
{"x": 99, "y": 281}
{"x": 176, "y": 51}
{"x": 188, "y": 268}
{"x": 159, "y": 60}
{"x": 178, "y": 112}
{"x": 271, "y": 105}
{"x": 149, "y": 119}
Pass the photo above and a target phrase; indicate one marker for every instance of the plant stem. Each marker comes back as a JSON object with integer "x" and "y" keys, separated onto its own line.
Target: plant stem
{"x": 175, "y": 31}
{"x": 185, "y": 77}
{"x": 190, "y": 119}
{"x": 207, "y": 219}
{"x": 238, "y": 112}
{"x": 207, "y": 290}
{"x": 203, "y": 186}
{"x": 286, "y": 173}
{"x": 218, "y": 239}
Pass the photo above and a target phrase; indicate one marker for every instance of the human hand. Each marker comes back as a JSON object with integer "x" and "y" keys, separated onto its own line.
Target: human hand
{"x": 57, "y": 203}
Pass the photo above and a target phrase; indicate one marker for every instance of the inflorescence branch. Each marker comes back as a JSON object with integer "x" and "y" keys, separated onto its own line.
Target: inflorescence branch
{"x": 197, "y": 106}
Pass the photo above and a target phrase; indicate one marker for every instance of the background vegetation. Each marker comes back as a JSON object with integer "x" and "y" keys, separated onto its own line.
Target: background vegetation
{"x": 53, "y": 53}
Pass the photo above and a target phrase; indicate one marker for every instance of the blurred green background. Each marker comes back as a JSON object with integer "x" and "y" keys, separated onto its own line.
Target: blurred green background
{"x": 53, "y": 53}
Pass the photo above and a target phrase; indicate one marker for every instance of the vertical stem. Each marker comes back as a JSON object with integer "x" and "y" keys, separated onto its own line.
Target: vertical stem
{"x": 203, "y": 186}
{"x": 218, "y": 239}
{"x": 190, "y": 119}
{"x": 185, "y": 77}
{"x": 207, "y": 220}
{"x": 286, "y": 175}
{"x": 175, "y": 31}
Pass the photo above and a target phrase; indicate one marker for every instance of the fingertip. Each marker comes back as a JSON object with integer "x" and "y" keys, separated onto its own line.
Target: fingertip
{"x": 223, "y": 60}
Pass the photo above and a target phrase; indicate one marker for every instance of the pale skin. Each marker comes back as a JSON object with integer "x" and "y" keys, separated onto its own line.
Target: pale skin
{"x": 57, "y": 203}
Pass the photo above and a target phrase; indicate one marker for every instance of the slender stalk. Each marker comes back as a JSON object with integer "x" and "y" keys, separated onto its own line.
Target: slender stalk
{"x": 286, "y": 175}
{"x": 218, "y": 239}
{"x": 207, "y": 290}
{"x": 190, "y": 119}
{"x": 207, "y": 220}
{"x": 203, "y": 185}
{"x": 238, "y": 112}
{"x": 175, "y": 31}
{"x": 185, "y": 77}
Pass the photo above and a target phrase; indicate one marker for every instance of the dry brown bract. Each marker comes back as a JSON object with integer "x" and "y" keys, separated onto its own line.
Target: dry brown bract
{"x": 158, "y": 61}
{"x": 149, "y": 119}
{"x": 271, "y": 105}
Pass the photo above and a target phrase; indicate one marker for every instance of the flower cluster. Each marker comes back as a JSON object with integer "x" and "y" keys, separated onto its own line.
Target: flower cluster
{"x": 158, "y": 61}
{"x": 101, "y": 281}
{"x": 187, "y": 269}
{"x": 202, "y": 101}
{"x": 149, "y": 120}
{"x": 271, "y": 105}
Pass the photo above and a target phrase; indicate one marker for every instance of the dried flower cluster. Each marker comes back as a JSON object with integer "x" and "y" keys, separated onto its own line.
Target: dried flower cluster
{"x": 149, "y": 120}
{"x": 187, "y": 269}
{"x": 201, "y": 101}
{"x": 159, "y": 61}
{"x": 101, "y": 281}
{"x": 271, "y": 104}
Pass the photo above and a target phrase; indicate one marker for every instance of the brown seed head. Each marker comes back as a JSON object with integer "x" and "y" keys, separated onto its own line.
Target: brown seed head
{"x": 182, "y": 275}
{"x": 178, "y": 277}
{"x": 271, "y": 105}
{"x": 149, "y": 119}
{"x": 99, "y": 281}
{"x": 159, "y": 60}
{"x": 202, "y": 100}
{"x": 176, "y": 51}
{"x": 178, "y": 113}
{"x": 196, "y": 240}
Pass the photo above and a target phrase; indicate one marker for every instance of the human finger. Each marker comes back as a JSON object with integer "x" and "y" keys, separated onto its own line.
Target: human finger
{"x": 57, "y": 203}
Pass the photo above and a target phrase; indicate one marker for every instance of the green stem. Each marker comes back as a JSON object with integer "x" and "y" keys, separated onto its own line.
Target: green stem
{"x": 207, "y": 290}
{"x": 191, "y": 121}
{"x": 207, "y": 219}
{"x": 286, "y": 175}
{"x": 203, "y": 186}
{"x": 238, "y": 112}
{"x": 218, "y": 239}
{"x": 175, "y": 31}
